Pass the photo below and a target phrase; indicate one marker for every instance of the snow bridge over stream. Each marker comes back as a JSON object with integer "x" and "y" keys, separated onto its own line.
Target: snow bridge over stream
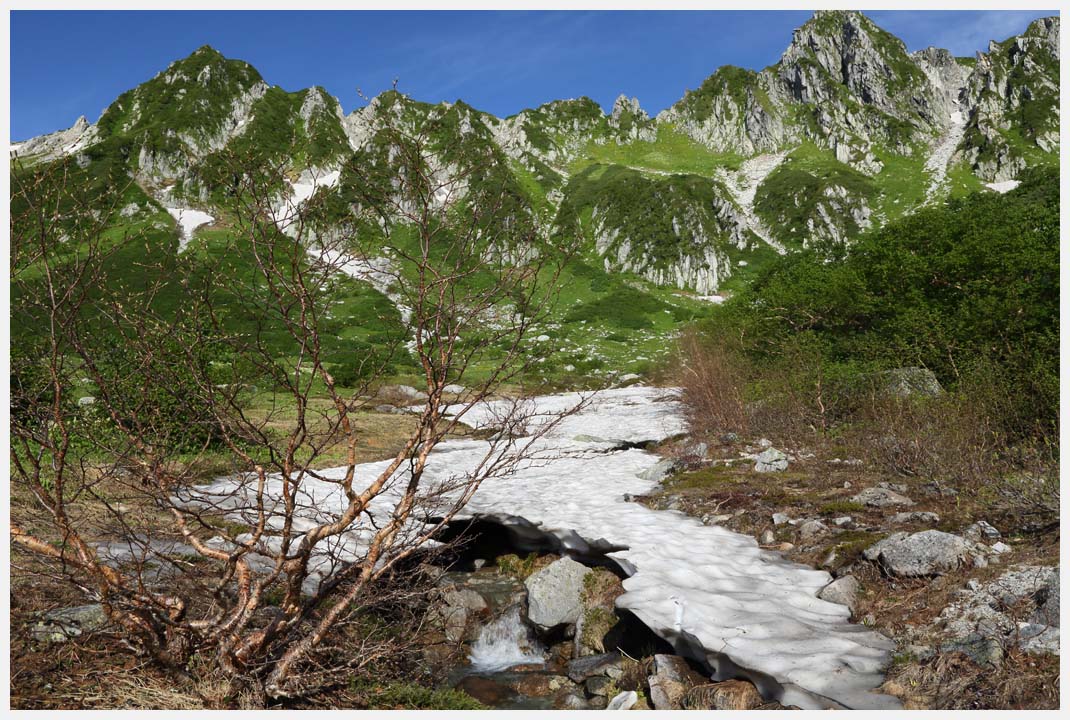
{"x": 713, "y": 594}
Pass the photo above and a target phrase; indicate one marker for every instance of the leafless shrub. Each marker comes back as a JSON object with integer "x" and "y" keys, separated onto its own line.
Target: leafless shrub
{"x": 276, "y": 572}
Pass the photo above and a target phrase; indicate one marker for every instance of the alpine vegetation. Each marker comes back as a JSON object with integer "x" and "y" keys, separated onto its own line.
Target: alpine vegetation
{"x": 752, "y": 403}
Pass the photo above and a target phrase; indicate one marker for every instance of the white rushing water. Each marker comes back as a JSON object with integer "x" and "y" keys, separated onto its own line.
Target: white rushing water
{"x": 743, "y": 609}
{"x": 503, "y": 644}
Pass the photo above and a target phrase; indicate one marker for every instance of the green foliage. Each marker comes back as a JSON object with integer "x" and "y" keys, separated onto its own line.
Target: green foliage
{"x": 665, "y": 218}
{"x": 971, "y": 285}
{"x": 625, "y": 307}
{"x": 411, "y": 696}
{"x": 789, "y": 197}
{"x": 740, "y": 85}
{"x": 193, "y": 96}
{"x": 671, "y": 151}
{"x": 516, "y": 566}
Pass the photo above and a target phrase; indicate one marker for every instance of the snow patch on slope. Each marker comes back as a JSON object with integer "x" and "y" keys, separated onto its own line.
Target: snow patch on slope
{"x": 1003, "y": 187}
{"x": 188, "y": 220}
{"x": 306, "y": 186}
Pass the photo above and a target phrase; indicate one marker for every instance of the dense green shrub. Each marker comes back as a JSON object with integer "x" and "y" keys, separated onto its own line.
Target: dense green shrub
{"x": 967, "y": 290}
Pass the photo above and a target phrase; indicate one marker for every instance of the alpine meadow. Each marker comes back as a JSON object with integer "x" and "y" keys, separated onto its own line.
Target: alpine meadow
{"x": 751, "y": 404}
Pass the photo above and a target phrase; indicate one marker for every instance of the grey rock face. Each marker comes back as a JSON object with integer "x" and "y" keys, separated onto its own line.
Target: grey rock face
{"x": 1021, "y": 70}
{"x": 771, "y": 460}
{"x": 631, "y": 122}
{"x": 62, "y": 142}
{"x": 554, "y": 593}
{"x": 929, "y": 552}
{"x": 844, "y": 591}
{"x": 880, "y": 497}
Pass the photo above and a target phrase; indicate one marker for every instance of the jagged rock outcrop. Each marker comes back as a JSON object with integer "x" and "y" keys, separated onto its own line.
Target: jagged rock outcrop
{"x": 191, "y": 109}
{"x": 799, "y": 149}
{"x": 630, "y": 122}
{"x": 734, "y": 110}
{"x": 57, "y": 144}
{"x": 1013, "y": 100}
{"x": 553, "y": 133}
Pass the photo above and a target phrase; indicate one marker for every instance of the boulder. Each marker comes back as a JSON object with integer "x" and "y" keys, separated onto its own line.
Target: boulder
{"x": 767, "y": 537}
{"x": 1047, "y": 599}
{"x": 916, "y": 517}
{"x": 812, "y": 529}
{"x": 658, "y": 471}
{"x": 406, "y": 393}
{"x": 67, "y": 623}
{"x": 572, "y": 699}
{"x": 582, "y": 668}
{"x": 459, "y": 607}
{"x": 911, "y": 382}
{"x": 983, "y": 650}
{"x": 770, "y": 460}
{"x": 1038, "y": 639}
{"x": 881, "y": 497}
{"x": 843, "y": 591}
{"x": 981, "y": 530}
{"x": 671, "y": 680}
{"x": 780, "y": 519}
{"x": 623, "y": 701}
{"x": 554, "y": 593}
{"x": 727, "y": 695}
{"x": 930, "y": 552}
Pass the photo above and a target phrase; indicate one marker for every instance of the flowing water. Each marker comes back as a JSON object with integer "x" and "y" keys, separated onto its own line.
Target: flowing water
{"x": 504, "y": 643}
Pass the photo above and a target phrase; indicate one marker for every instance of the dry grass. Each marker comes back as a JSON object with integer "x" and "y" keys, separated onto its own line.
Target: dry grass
{"x": 712, "y": 383}
{"x": 961, "y": 440}
{"x": 951, "y": 681}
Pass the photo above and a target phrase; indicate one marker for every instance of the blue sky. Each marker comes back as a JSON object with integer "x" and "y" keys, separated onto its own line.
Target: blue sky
{"x": 70, "y": 63}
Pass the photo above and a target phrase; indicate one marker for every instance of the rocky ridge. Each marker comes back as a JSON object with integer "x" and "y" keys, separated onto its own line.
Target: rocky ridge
{"x": 845, "y": 97}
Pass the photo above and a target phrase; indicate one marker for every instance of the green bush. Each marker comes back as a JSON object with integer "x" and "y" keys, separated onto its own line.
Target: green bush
{"x": 969, "y": 290}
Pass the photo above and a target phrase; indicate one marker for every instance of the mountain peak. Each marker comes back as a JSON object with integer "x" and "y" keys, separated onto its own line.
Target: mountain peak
{"x": 207, "y": 50}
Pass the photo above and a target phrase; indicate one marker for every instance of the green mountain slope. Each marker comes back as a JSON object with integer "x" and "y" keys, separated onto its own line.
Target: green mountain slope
{"x": 844, "y": 134}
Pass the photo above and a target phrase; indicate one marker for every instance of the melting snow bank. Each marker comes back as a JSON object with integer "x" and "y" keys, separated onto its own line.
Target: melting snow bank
{"x": 711, "y": 592}
{"x": 188, "y": 221}
{"x": 1003, "y": 187}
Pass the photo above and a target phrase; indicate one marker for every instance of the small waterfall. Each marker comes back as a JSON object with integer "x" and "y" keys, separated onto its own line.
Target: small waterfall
{"x": 503, "y": 644}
